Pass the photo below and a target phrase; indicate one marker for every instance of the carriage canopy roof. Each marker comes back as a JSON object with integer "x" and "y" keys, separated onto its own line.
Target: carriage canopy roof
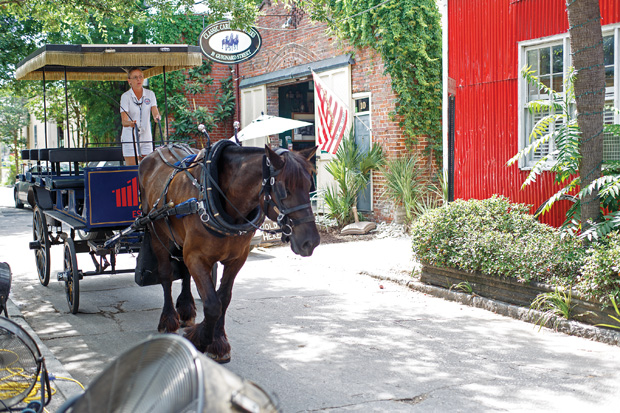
{"x": 105, "y": 61}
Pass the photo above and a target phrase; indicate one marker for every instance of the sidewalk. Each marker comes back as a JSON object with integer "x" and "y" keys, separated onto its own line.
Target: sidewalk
{"x": 62, "y": 389}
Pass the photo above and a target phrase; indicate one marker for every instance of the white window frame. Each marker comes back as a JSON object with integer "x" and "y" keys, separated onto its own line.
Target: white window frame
{"x": 564, "y": 39}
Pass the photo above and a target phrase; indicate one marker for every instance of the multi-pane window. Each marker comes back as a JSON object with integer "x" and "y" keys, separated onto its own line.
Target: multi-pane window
{"x": 611, "y": 143}
{"x": 550, "y": 61}
{"x": 547, "y": 64}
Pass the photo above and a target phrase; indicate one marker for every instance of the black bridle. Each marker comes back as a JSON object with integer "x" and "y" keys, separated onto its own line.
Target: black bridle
{"x": 270, "y": 185}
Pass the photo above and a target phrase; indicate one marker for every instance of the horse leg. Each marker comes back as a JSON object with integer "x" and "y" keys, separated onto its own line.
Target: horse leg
{"x": 219, "y": 349}
{"x": 169, "y": 319}
{"x": 185, "y": 302}
{"x": 201, "y": 335}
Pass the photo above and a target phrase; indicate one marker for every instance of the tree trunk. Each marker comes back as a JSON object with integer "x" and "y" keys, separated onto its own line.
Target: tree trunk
{"x": 584, "y": 18}
{"x": 16, "y": 153}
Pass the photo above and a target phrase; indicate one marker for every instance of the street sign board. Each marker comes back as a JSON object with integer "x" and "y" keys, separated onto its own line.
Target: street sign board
{"x": 220, "y": 43}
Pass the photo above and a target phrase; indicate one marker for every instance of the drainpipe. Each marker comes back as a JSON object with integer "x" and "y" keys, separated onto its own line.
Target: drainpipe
{"x": 444, "y": 106}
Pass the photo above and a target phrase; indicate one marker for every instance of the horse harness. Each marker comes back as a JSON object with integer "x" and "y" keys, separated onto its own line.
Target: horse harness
{"x": 208, "y": 204}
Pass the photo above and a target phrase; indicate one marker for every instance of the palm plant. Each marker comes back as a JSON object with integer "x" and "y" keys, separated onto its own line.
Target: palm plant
{"x": 351, "y": 170}
{"x": 406, "y": 186}
{"x": 559, "y": 123}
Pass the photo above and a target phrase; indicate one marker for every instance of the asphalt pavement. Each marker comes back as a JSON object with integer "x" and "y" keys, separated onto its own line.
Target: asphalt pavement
{"x": 326, "y": 333}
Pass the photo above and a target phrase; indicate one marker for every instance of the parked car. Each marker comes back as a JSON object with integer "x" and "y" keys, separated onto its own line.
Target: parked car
{"x": 22, "y": 190}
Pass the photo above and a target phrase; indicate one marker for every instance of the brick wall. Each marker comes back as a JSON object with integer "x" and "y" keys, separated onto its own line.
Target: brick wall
{"x": 208, "y": 99}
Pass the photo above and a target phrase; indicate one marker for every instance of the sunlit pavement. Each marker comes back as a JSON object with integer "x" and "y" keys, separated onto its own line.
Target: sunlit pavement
{"x": 323, "y": 334}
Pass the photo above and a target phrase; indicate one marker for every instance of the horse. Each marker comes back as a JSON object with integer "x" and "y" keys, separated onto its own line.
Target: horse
{"x": 230, "y": 189}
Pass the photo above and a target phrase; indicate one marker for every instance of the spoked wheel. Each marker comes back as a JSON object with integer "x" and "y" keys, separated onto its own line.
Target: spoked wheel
{"x": 42, "y": 245}
{"x": 71, "y": 277}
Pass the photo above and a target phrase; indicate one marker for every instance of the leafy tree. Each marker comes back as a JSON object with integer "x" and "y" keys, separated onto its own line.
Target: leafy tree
{"x": 18, "y": 39}
{"x": 92, "y": 105}
{"x": 559, "y": 110}
{"x": 81, "y": 16}
{"x": 13, "y": 117}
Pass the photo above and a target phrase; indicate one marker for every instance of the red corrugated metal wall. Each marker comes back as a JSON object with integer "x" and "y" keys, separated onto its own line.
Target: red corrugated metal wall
{"x": 483, "y": 60}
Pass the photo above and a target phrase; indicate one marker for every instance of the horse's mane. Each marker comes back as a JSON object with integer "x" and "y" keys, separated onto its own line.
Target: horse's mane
{"x": 296, "y": 169}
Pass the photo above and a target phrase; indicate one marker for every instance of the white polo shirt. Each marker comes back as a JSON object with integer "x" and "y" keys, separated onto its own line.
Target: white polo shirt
{"x": 140, "y": 111}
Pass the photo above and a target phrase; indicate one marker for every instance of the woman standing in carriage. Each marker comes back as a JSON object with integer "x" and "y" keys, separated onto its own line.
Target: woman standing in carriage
{"x": 137, "y": 106}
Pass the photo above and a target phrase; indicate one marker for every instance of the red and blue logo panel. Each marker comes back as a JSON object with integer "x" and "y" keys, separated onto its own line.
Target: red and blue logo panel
{"x": 112, "y": 197}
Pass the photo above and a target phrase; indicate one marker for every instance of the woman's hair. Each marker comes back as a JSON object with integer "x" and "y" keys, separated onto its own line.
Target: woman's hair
{"x": 132, "y": 69}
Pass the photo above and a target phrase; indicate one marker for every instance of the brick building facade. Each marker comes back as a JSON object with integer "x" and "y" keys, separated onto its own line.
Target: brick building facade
{"x": 278, "y": 81}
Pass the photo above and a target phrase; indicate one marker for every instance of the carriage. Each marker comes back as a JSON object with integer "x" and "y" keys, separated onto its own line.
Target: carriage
{"x": 82, "y": 197}
{"x": 202, "y": 207}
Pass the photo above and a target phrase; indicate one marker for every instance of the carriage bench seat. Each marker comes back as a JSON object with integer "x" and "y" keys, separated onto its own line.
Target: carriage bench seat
{"x": 64, "y": 182}
{"x": 40, "y": 154}
{"x": 85, "y": 154}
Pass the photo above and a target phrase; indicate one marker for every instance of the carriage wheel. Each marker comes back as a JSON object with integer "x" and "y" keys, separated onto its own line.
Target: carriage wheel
{"x": 72, "y": 277}
{"x": 42, "y": 251}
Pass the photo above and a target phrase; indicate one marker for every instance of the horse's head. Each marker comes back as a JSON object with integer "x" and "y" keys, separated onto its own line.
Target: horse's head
{"x": 286, "y": 197}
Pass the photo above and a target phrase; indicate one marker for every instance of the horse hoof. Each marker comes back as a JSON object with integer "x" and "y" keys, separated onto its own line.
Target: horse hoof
{"x": 164, "y": 329}
{"x": 219, "y": 359}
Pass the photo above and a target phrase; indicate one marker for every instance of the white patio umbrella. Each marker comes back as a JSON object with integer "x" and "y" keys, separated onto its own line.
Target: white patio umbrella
{"x": 266, "y": 125}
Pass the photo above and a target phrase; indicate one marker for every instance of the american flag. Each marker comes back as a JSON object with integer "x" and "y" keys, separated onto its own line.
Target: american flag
{"x": 333, "y": 117}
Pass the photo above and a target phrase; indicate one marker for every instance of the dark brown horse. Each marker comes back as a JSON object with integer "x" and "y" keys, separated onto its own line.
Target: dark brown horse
{"x": 245, "y": 182}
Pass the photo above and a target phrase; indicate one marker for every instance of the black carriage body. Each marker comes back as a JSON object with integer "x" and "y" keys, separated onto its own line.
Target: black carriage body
{"x": 90, "y": 198}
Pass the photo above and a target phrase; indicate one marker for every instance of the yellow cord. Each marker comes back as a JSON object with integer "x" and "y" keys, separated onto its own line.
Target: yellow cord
{"x": 70, "y": 379}
{"x": 11, "y": 388}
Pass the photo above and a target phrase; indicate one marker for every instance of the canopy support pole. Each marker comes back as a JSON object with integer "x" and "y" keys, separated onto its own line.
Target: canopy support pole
{"x": 44, "y": 111}
{"x": 166, "y": 106}
{"x": 68, "y": 144}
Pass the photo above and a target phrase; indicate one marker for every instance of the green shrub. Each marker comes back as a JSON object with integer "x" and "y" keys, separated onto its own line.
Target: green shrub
{"x": 600, "y": 272}
{"x": 498, "y": 238}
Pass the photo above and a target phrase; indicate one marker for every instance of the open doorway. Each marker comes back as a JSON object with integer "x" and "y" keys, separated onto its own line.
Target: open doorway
{"x": 296, "y": 101}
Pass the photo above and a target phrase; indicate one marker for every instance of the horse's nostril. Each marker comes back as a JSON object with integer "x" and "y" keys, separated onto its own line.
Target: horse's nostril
{"x": 309, "y": 246}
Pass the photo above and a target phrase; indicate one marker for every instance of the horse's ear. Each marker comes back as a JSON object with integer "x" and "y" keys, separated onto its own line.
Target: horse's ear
{"x": 275, "y": 159}
{"x": 308, "y": 153}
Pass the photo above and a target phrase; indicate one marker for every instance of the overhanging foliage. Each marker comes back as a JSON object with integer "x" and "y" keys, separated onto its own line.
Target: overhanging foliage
{"x": 407, "y": 35}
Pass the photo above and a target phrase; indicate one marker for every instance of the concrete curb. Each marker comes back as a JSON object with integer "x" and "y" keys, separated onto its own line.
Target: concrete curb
{"x": 569, "y": 327}
{"x": 64, "y": 389}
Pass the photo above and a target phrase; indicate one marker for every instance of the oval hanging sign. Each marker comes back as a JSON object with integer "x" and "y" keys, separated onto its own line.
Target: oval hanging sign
{"x": 222, "y": 44}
